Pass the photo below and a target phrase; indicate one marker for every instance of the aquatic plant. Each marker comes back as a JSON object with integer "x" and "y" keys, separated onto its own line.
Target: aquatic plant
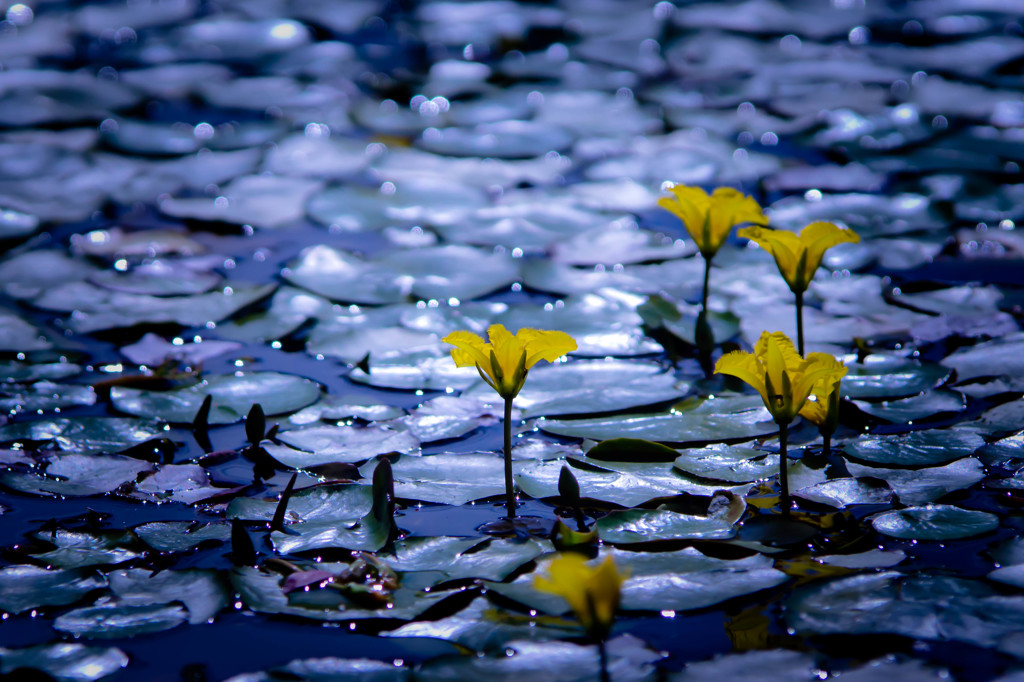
{"x": 503, "y": 365}
{"x": 709, "y": 219}
{"x": 823, "y": 410}
{"x": 593, "y": 594}
{"x": 785, "y": 380}
{"x": 799, "y": 257}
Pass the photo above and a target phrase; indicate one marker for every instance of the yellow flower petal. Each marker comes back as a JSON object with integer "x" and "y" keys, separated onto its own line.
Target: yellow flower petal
{"x": 820, "y": 236}
{"x": 709, "y": 219}
{"x": 592, "y": 593}
{"x": 784, "y": 246}
{"x": 545, "y": 345}
{"x": 469, "y": 349}
{"x": 505, "y": 360}
{"x": 743, "y": 366}
{"x": 799, "y": 256}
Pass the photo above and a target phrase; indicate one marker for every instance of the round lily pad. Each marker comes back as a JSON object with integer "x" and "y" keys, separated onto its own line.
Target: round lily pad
{"x": 233, "y": 397}
{"x": 735, "y": 464}
{"x": 65, "y": 661}
{"x": 920, "y": 448}
{"x": 890, "y": 376}
{"x": 720, "y": 419}
{"x": 641, "y": 525}
{"x": 934, "y": 522}
{"x": 593, "y": 386}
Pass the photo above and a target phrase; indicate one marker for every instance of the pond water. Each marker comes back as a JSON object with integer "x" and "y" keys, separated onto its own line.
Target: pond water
{"x": 290, "y": 204}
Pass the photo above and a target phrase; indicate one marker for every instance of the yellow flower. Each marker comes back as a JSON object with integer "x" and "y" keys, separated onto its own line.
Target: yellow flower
{"x": 593, "y": 593}
{"x": 782, "y": 377}
{"x": 709, "y": 219}
{"x": 798, "y": 256}
{"x": 504, "y": 362}
{"x": 823, "y": 412}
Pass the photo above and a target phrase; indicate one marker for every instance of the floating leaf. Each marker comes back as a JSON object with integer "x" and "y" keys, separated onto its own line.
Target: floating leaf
{"x": 78, "y": 475}
{"x": 641, "y": 525}
{"x": 920, "y": 448}
{"x": 925, "y": 485}
{"x": 262, "y": 592}
{"x": 85, "y": 435}
{"x": 934, "y": 522}
{"x": 719, "y": 419}
{"x": 346, "y": 502}
{"x": 920, "y": 606}
{"x": 731, "y": 463}
{"x": 182, "y": 536}
{"x": 1000, "y": 357}
{"x": 44, "y": 396}
{"x": 111, "y": 621}
{"x": 890, "y": 376}
{"x": 593, "y": 386}
{"x": 233, "y": 397}
{"x": 203, "y": 592}
{"x": 447, "y": 478}
{"x": 65, "y": 661}
{"x": 315, "y": 445}
{"x": 31, "y": 587}
{"x": 909, "y": 410}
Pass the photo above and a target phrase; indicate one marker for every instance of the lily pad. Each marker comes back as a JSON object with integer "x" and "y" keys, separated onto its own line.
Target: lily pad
{"x": 30, "y": 587}
{"x": 233, "y": 397}
{"x": 626, "y": 484}
{"x": 686, "y": 579}
{"x": 554, "y": 661}
{"x": 909, "y": 410}
{"x": 921, "y": 606}
{"x": 85, "y": 435}
{"x": 203, "y": 592}
{"x": 421, "y": 200}
{"x": 262, "y": 592}
{"x": 593, "y": 386}
{"x": 920, "y": 448}
{"x": 97, "y": 309}
{"x": 714, "y": 420}
{"x": 78, "y": 475}
{"x": 78, "y": 549}
{"x": 641, "y": 525}
{"x": 345, "y": 502}
{"x": 925, "y": 485}
{"x": 447, "y": 478}
{"x": 315, "y": 445}
{"x": 45, "y": 396}
{"x": 890, "y": 376}
{"x": 734, "y": 464}
{"x": 934, "y": 522}
{"x": 423, "y": 370}
{"x": 65, "y": 661}
{"x": 1000, "y": 357}
{"x": 843, "y": 492}
{"x": 181, "y": 536}
{"x": 111, "y": 621}
{"x": 448, "y": 417}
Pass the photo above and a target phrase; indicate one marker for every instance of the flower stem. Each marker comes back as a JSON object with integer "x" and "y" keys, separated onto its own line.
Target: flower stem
{"x": 784, "y": 467}
{"x": 510, "y": 496}
{"x": 602, "y": 650}
{"x": 707, "y": 284}
{"x": 800, "y": 322}
{"x": 826, "y": 449}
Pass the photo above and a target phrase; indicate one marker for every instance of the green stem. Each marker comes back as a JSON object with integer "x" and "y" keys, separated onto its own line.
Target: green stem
{"x": 707, "y": 284}
{"x": 800, "y": 322}
{"x": 602, "y": 650}
{"x": 784, "y": 467}
{"x": 826, "y": 449}
{"x": 510, "y": 496}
